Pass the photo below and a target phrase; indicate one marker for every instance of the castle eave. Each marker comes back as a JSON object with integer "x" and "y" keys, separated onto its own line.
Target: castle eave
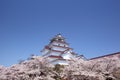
{"x": 52, "y": 56}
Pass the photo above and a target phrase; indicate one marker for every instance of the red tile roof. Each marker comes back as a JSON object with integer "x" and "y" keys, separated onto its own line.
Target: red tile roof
{"x": 47, "y": 47}
{"x": 60, "y": 57}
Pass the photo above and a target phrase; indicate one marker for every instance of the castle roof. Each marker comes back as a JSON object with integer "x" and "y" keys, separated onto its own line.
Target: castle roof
{"x": 47, "y": 47}
{"x": 59, "y": 57}
{"x": 59, "y": 38}
{"x": 63, "y": 42}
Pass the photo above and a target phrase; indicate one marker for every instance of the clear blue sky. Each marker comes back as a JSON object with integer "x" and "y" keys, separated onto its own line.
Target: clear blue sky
{"x": 92, "y": 27}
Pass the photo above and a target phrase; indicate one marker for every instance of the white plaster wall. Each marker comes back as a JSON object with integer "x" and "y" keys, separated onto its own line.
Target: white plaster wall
{"x": 59, "y": 48}
{"x": 51, "y": 59}
{"x": 61, "y": 44}
{"x": 62, "y": 62}
{"x": 55, "y": 53}
{"x": 68, "y": 55}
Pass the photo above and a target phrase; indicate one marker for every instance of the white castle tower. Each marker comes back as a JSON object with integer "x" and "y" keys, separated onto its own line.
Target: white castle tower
{"x": 58, "y": 50}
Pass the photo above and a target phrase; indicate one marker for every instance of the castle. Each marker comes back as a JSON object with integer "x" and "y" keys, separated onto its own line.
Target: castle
{"x": 58, "y": 51}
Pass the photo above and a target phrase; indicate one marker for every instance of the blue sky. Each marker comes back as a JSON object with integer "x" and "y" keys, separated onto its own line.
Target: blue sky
{"x": 91, "y": 27}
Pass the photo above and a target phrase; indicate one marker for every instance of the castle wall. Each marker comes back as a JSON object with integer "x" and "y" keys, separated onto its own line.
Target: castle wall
{"x": 61, "y": 62}
{"x": 109, "y": 56}
{"x": 59, "y": 44}
{"x": 59, "y": 48}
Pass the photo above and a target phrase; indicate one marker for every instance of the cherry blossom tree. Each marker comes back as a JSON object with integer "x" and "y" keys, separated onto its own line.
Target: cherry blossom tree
{"x": 37, "y": 68}
{"x": 96, "y": 69}
{"x": 78, "y": 69}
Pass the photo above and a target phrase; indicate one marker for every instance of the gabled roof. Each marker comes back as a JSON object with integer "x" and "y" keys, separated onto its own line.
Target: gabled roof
{"x": 106, "y": 55}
